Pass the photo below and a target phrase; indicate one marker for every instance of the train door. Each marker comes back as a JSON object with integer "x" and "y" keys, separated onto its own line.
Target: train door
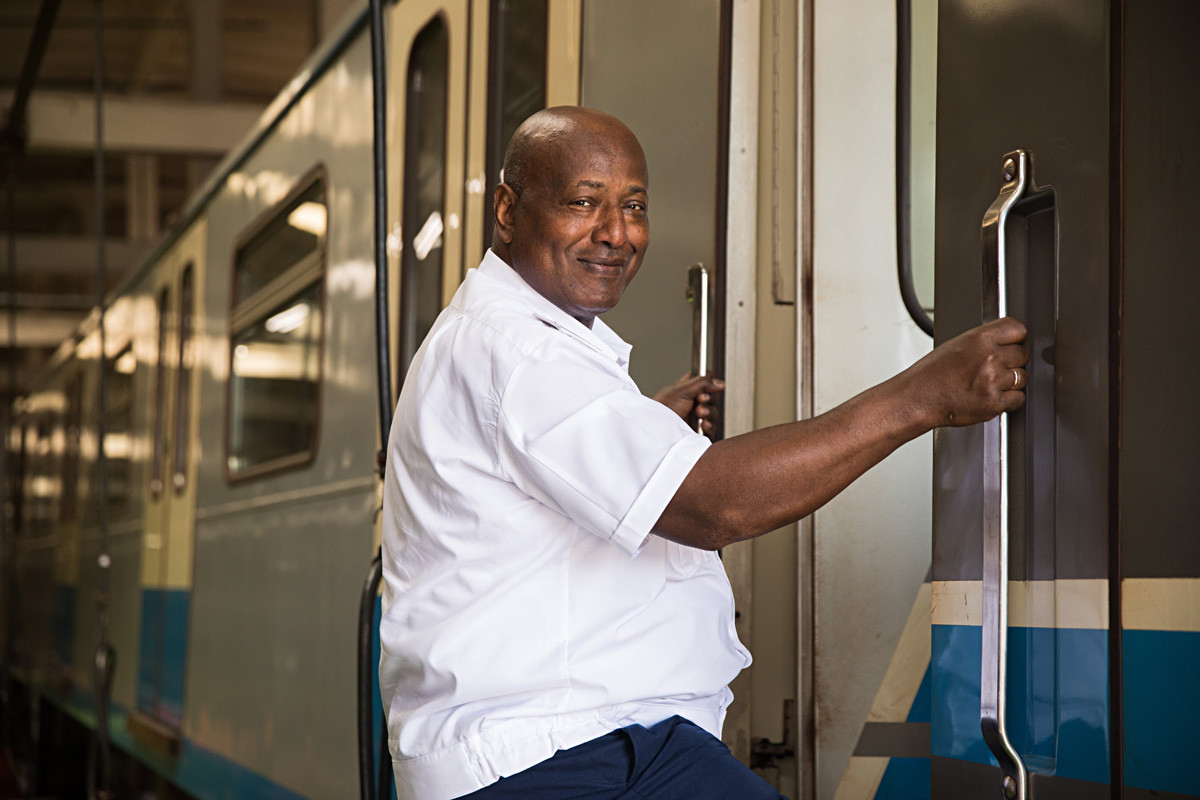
{"x": 170, "y": 499}
{"x": 669, "y": 82}
{"x": 1065, "y": 631}
{"x": 674, "y": 107}
{"x": 427, "y": 117}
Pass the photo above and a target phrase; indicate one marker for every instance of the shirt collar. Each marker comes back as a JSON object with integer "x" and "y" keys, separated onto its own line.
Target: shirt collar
{"x": 599, "y": 337}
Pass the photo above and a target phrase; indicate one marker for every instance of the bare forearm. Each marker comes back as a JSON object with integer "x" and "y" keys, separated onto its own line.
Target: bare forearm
{"x": 754, "y": 483}
{"x": 757, "y": 482}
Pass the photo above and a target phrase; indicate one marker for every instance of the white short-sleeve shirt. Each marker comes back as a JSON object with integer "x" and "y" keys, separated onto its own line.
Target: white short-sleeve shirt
{"x": 526, "y": 607}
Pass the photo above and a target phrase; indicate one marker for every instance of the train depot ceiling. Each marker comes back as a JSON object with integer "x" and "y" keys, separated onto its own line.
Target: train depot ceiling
{"x": 183, "y": 81}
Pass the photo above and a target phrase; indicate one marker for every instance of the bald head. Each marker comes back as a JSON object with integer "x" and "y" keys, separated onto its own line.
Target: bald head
{"x": 554, "y": 133}
{"x": 571, "y": 214}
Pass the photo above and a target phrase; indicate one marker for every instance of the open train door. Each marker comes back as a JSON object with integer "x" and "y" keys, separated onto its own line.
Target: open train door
{"x": 1068, "y": 162}
{"x": 665, "y": 70}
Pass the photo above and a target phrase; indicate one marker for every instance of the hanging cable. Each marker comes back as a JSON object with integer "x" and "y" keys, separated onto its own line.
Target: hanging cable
{"x": 103, "y": 663}
{"x": 366, "y": 612}
{"x": 366, "y": 617}
{"x": 12, "y": 144}
{"x": 379, "y": 118}
{"x": 8, "y": 490}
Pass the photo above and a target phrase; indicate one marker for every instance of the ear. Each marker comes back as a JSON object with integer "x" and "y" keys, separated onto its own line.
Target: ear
{"x": 505, "y": 202}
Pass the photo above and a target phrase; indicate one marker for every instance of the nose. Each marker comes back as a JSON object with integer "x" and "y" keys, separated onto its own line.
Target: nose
{"x": 610, "y": 226}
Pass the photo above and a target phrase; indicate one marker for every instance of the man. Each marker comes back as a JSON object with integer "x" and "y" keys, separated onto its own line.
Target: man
{"x": 556, "y": 623}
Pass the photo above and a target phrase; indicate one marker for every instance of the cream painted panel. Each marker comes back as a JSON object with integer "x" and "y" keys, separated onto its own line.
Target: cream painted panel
{"x": 872, "y": 543}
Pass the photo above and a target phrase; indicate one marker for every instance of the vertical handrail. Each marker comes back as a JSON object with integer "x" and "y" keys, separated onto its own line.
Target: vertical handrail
{"x": 698, "y": 296}
{"x": 368, "y": 787}
{"x": 994, "y": 668}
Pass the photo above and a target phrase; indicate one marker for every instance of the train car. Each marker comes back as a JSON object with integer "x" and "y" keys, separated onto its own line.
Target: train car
{"x": 812, "y": 161}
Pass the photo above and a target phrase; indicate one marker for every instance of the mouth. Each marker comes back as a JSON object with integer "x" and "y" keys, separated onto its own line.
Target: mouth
{"x": 603, "y": 266}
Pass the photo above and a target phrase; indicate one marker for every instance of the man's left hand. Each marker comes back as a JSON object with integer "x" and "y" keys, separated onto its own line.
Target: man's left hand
{"x": 692, "y": 399}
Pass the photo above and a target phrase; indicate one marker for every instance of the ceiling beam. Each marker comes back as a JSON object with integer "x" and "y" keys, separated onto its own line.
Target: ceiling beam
{"x": 73, "y": 256}
{"x": 40, "y": 328}
{"x": 66, "y": 121}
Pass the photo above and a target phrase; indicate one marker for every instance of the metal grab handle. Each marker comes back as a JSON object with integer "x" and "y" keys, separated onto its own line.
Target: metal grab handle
{"x": 697, "y": 295}
{"x": 994, "y": 673}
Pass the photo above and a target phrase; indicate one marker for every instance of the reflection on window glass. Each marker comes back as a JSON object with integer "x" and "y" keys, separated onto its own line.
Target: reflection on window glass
{"x": 273, "y": 383}
{"x": 295, "y": 232}
{"x": 424, "y": 187}
{"x": 275, "y": 340}
{"x": 517, "y": 59}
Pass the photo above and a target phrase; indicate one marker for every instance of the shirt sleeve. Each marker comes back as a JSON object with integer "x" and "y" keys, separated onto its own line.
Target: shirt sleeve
{"x": 578, "y": 436}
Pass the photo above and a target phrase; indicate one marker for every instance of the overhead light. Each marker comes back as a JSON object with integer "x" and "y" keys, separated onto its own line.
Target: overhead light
{"x": 288, "y": 320}
{"x": 126, "y": 363}
{"x": 310, "y": 217}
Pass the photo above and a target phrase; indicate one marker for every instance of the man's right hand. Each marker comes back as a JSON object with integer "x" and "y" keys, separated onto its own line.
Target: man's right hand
{"x": 972, "y": 377}
{"x": 759, "y": 481}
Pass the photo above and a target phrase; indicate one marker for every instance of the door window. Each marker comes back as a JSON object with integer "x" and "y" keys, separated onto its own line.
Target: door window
{"x": 424, "y": 186}
{"x": 517, "y": 73}
{"x": 183, "y": 376}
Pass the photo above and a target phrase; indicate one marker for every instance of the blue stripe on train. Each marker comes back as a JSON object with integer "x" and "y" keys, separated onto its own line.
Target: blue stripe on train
{"x": 162, "y": 656}
{"x": 908, "y": 778}
{"x": 214, "y": 777}
{"x": 1161, "y": 686}
{"x": 1059, "y": 725}
{"x": 197, "y": 770}
{"x": 905, "y": 779}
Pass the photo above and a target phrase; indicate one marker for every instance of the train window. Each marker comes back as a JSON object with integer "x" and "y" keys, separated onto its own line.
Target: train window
{"x": 517, "y": 73}
{"x": 73, "y": 428}
{"x": 118, "y": 428}
{"x": 43, "y": 488}
{"x": 183, "y": 377}
{"x": 426, "y": 106}
{"x": 288, "y": 236}
{"x": 159, "y": 453}
{"x": 273, "y": 385}
{"x": 275, "y": 336}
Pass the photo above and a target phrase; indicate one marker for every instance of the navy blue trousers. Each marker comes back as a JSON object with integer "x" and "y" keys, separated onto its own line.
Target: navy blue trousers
{"x": 674, "y": 760}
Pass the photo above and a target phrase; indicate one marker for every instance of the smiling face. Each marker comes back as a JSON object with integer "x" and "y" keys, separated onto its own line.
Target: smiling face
{"x": 572, "y": 221}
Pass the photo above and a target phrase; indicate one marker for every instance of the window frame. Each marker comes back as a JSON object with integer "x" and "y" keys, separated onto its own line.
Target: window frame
{"x": 308, "y": 271}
